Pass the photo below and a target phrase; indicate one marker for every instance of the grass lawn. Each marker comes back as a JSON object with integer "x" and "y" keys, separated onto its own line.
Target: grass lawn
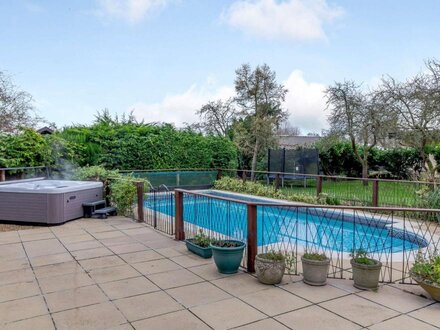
{"x": 353, "y": 192}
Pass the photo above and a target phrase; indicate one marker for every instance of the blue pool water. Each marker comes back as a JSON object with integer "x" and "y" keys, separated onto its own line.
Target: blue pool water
{"x": 310, "y": 228}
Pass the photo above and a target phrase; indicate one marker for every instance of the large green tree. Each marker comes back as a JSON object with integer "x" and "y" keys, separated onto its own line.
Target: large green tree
{"x": 260, "y": 99}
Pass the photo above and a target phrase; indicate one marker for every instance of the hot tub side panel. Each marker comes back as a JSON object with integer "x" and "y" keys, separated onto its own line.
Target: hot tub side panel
{"x": 23, "y": 207}
{"x": 73, "y": 201}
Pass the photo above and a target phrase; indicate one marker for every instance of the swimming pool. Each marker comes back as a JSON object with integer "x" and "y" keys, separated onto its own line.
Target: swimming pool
{"x": 313, "y": 227}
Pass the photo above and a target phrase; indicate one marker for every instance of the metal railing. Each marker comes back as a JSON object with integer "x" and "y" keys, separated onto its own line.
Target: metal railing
{"x": 390, "y": 235}
{"x": 24, "y": 172}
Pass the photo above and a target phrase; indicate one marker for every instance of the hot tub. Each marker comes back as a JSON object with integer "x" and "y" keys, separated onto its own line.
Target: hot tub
{"x": 46, "y": 201}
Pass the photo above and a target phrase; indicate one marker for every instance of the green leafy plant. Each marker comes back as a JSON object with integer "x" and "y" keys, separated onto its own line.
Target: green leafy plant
{"x": 225, "y": 243}
{"x": 273, "y": 255}
{"x": 201, "y": 239}
{"x": 290, "y": 261}
{"x": 123, "y": 194}
{"x": 427, "y": 269}
{"x": 258, "y": 189}
{"x": 361, "y": 256}
{"x": 315, "y": 256}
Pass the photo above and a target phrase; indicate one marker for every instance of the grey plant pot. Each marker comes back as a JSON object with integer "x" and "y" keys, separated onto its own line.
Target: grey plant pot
{"x": 315, "y": 271}
{"x": 366, "y": 277}
{"x": 269, "y": 271}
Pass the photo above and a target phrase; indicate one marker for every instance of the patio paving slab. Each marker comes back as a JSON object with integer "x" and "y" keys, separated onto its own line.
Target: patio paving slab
{"x": 19, "y": 290}
{"x": 147, "y": 305}
{"x": 198, "y": 294}
{"x": 315, "y": 318}
{"x": 172, "y": 321}
{"x": 73, "y": 298}
{"x": 429, "y": 314}
{"x": 402, "y": 322}
{"x": 16, "y": 276}
{"x": 126, "y": 275}
{"x": 50, "y": 259}
{"x": 314, "y": 294}
{"x": 102, "y": 262}
{"x": 156, "y": 266}
{"x": 15, "y": 264}
{"x": 175, "y": 278}
{"x": 66, "y": 281}
{"x": 127, "y": 248}
{"x": 100, "y": 316}
{"x": 395, "y": 299}
{"x": 57, "y": 269}
{"x": 36, "y": 323}
{"x": 359, "y": 310}
{"x": 240, "y": 285}
{"x": 92, "y": 253}
{"x": 141, "y": 256}
{"x": 274, "y": 301}
{"x": 264, "y": 325}
{"x": 128, "y": 287}
{"x": 13, "y": 310}
{"x": 102, "y": 275}
{"x": 226, "y": 314}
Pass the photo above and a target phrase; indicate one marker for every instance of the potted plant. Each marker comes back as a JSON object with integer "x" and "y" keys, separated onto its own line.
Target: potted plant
{"x": 227, "y": 255}
{"x": 199, "y": 245}
{"x": 366, "y": 270}
{"x": 426, "y": 272}
{"x": 315, "y": 268}
{"x": 270, "y": 267}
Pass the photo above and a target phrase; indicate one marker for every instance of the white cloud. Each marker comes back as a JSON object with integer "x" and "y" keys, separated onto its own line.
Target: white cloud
{"x": 130, "y": 10}
{"x": 180, "y": 108}
{"x": 273, "y": 19}
{"x": 306, "y": 103}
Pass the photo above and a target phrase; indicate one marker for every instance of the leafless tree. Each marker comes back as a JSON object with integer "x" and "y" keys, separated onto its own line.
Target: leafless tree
{"x": 359, "y": 116}
{"x": 416, "y": 104}
{"x": 217, "y": 117}
{"x": 16, "y": 108}
{"x": 287, "y": 129}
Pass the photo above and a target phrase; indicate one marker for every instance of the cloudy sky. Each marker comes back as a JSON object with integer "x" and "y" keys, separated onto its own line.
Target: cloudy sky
{"x": 163, "y": 59}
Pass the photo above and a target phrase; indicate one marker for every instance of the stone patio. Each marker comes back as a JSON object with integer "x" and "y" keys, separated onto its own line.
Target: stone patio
{"x": 118, "y": 274}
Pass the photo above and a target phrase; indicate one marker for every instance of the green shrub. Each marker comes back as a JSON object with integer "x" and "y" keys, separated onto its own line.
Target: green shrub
{"x": 427, "y": 269}
{"x": 361, "y": 257}
{"x": 122, "y": 189}
{"x": 315, "y": 256}
{"x": 259, "y": 189}
{"x": 201, "y": 239}
{"x": 273, "y": 255}
{"x": 123, "y": 195}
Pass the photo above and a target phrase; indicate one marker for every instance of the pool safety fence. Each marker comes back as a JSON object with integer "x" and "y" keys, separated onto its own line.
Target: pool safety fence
{"x": 390, "y": 235}
{"x": 348, "y": 190}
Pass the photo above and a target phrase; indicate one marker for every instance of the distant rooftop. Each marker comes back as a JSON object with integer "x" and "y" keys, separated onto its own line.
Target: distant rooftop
{"x": 292, "y": 141}
{"x": 45, "y": 130}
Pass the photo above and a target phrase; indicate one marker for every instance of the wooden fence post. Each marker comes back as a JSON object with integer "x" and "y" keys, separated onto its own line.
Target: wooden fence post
{"x": 277, "y": 182}
{"x": 140, "y": 200}
{"x": 318, "y": 185}
{"x": 179, "y": 228}
{"x": 2, "y": 175}
{"x": 252, "y": 245}
{"x": 219, "y": 174}
{"x": 375, "y": 201}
